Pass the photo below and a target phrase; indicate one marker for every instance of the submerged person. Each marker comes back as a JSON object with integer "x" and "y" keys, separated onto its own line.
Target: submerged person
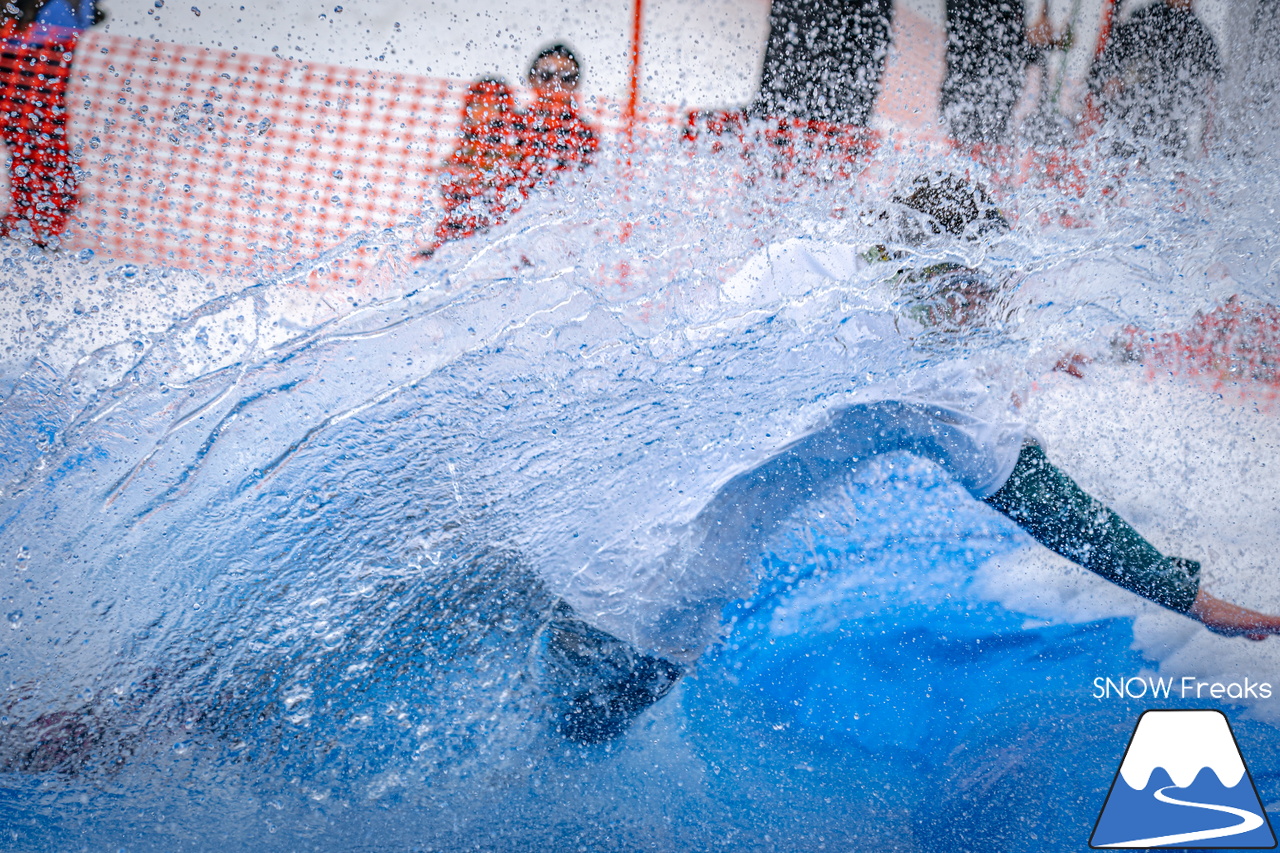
{"x": 606, "y": 663}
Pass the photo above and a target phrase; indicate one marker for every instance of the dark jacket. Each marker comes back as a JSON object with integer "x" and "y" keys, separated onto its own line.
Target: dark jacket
{"x": 1160, "y": 65}
{"x": 987, "y": 56}
{"x": 824, "y": 59}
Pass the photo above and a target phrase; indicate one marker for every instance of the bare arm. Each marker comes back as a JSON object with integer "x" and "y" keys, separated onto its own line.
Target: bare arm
{"x": 1232, "y": 620}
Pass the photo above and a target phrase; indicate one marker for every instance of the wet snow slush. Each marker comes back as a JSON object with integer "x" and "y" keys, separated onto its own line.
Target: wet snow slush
{"x": 275, "y": 562}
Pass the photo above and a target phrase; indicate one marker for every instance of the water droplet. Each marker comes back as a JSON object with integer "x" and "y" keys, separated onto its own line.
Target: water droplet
{"x": 15, "y": 618}
{"x": 196, "y": 11}
{"x": 159, "y": 4}
{"x": 84, "y": 255}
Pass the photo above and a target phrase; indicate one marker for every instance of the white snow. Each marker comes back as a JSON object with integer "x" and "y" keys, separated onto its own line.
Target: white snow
{"x": 1183, "y": 743}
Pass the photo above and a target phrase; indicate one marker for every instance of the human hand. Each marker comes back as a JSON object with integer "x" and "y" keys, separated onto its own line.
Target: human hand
{"x": 1073, "y": 364}
{"x": 1232, "y": 620}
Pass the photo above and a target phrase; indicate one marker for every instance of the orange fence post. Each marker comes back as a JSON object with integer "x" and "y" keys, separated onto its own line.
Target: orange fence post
{"x": 629, "y": 126}
{"x": 1104, "y": 32}
{"x": 633, "y": 87}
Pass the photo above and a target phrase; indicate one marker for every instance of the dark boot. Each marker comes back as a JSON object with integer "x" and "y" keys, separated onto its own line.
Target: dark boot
{"x": 598, "y": 683}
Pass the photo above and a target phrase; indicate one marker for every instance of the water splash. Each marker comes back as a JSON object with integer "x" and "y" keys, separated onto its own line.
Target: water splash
{"x": 298, "y": 551}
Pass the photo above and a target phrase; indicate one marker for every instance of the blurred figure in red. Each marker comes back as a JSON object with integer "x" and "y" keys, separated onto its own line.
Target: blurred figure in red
{"x": 503, "y": 154}
{"x": 556, "y": 137}
{"x": 484, "y": 176}
{"x": 37, "y": 41}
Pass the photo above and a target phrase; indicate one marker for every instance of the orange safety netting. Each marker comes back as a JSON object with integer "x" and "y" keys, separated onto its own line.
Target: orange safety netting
{"x": 207, "y": 158}
{"x": 212, "y": 159}
{"x": 200, "y": 157}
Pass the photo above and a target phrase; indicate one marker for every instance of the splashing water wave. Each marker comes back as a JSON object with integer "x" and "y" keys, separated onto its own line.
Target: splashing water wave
{"x": 297, "y": 552}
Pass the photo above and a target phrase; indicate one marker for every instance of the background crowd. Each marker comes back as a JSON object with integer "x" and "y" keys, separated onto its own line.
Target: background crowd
{"x": 1151, "y": 93}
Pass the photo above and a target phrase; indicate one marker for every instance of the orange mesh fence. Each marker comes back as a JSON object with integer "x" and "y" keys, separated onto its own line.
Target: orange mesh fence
{"x": 206, "y": 158}
{"x": 199, "y": 157}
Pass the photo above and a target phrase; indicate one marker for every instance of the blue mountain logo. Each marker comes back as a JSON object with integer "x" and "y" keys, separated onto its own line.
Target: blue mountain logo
{"x": 1183, "y": 783}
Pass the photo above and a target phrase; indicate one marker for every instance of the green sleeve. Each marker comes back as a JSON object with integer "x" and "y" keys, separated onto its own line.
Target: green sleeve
{"x": 1058, "y": 514}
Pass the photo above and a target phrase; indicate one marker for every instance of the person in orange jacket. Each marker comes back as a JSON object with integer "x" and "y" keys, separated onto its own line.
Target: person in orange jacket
{"x": 556, "y": 137}
{"x": 484, "y": 176}
{"x": 38, "y": 39}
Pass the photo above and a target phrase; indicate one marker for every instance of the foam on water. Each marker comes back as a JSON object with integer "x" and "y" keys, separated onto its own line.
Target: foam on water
{"x": 275, "y": 562}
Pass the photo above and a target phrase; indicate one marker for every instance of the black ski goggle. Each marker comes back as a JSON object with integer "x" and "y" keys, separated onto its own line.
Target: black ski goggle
{"x": 568, "y": 78}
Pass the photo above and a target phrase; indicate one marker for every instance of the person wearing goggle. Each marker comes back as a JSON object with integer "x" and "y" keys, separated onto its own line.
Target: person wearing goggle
{"x": 599, "y": 681}
{"x": 557, "y": 139}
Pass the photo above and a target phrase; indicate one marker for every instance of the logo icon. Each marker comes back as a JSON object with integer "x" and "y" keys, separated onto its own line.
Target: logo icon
{"x": 1183, "y": 783}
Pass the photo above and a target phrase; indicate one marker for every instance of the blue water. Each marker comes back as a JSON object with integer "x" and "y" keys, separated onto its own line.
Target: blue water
{"x": 277, "y": 585}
